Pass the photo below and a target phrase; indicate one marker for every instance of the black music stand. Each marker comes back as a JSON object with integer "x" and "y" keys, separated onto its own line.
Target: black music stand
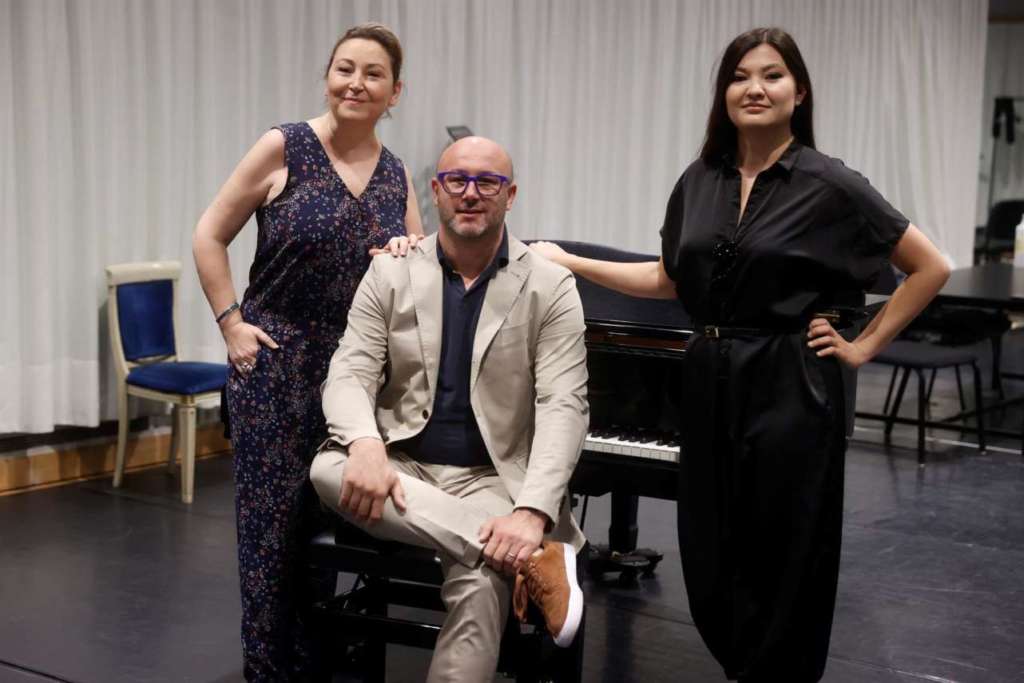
{"x": 1004, "y": 118}
{"x": 458, "y": 132}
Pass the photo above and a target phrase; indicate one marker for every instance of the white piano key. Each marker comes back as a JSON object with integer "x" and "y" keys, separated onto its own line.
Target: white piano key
{"x": 632, "y": 449}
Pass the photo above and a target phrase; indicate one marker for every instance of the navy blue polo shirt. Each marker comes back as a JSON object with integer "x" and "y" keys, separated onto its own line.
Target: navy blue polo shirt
{"x": 452, "y": 436}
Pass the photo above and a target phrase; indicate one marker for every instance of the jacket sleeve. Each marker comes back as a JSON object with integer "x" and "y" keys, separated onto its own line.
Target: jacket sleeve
{"x": 356, "y": 372}
{"x": 561, "y": 411}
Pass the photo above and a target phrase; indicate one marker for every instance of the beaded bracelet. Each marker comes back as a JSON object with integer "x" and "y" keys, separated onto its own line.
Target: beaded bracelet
{"x": 226, "y": 312}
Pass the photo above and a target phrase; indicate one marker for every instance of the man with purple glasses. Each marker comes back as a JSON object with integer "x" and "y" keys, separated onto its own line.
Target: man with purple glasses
{"x": 456, "y": 406}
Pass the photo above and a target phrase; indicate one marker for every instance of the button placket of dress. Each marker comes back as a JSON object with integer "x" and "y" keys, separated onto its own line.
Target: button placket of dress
{"x": 726, "y": 251}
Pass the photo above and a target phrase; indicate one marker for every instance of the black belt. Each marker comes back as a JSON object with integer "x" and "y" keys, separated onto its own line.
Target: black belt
{"x": 721, "y": 332}
{"x": 837, "y": 320}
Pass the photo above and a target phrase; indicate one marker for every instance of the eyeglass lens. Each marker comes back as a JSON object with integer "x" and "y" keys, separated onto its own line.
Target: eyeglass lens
{"x": 487, "y": 185}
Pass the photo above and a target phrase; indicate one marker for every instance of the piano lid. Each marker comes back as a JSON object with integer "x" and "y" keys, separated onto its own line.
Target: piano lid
{"x": 609, "y": 311}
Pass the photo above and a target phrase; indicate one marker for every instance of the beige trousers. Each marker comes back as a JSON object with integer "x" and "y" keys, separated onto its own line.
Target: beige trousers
{"x": 445, "y": 507}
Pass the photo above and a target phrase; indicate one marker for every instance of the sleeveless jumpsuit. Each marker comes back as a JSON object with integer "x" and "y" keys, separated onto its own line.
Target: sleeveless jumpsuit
{"x": 311, "y": 254}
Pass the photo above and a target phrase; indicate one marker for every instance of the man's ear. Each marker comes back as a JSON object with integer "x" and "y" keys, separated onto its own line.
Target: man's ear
{"x": 435, "y": 187}
{"x": 512, "y": 189}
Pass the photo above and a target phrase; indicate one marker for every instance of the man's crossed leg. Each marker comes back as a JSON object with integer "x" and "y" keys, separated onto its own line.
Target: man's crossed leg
{"x": 444, "y": 508}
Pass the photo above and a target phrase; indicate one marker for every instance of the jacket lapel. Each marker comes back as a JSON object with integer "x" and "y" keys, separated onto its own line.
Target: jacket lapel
{"x": 502, "y": 293}
{"x": 425, "y": 280}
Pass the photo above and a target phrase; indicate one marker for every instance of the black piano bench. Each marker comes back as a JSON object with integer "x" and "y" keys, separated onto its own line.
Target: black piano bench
{"x": 356, "y": 623}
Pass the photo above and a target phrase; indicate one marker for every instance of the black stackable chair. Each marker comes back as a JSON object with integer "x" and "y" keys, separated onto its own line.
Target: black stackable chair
{"x": 959, "y": 326}
{"x": 917, "y": 358}
{"x": 358, "y": 624}
{"x": 924, "y": 348}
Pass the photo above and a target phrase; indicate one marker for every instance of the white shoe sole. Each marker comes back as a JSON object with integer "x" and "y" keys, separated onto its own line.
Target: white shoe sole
{"x": 575, "y": 611}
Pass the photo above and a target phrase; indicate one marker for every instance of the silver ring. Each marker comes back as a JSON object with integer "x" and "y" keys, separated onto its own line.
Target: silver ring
{"x": 246, "y": 367}
{"x": 510, "y": 556}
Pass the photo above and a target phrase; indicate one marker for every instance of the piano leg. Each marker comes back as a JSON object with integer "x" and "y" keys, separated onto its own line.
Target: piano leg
{"x": 622, "y": 532}
{"x": 621, "y": 554}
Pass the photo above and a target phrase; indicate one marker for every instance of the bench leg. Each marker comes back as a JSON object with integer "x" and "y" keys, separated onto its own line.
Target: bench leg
{"x": 922, "y": 400}
{"x": 376, "y": 651}
{"x": 997, "y": 377}
{"x": 980, "y": 414}
{"x": 569, "y": 662}
{"x": 888, "y": 393}
{"x": 959, "y": 387}
{"x": 896, "y": 404}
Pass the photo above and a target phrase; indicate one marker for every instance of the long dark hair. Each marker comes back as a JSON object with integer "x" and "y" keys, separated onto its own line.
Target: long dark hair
{"x": 720, "y": 138}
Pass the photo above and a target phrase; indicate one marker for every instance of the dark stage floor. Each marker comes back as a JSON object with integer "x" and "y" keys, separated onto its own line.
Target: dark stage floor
{"x": 99, "y": 586}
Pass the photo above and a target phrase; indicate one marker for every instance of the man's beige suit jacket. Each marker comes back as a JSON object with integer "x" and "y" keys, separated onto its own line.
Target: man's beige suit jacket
{"x": 528, "y": 381}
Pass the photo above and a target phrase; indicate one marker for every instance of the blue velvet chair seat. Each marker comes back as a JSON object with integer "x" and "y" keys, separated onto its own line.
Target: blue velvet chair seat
{"x": 179, "y": 377}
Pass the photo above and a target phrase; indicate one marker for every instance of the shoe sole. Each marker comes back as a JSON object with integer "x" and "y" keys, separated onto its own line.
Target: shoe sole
{"x": 575, "y": 611}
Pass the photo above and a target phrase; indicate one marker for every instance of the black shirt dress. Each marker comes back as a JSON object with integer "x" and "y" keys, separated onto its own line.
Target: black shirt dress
{"x": 763, "y": 418}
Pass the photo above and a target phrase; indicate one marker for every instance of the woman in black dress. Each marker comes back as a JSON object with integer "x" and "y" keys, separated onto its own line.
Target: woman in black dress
{"x": 761, "y": 233}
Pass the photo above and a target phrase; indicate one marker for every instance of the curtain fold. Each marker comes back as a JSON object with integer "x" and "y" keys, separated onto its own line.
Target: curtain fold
{"x": 122, "y": 118}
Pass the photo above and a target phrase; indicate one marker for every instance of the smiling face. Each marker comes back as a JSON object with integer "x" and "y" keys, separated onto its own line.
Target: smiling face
{"x": 359, "y": 84}
{"x": 763, "y": 93}
{"x": 470, "y": 216}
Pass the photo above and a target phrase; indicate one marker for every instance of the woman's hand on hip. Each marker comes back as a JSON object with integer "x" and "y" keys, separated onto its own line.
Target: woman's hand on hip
{"x": 243, "y": 342}
{"x": 824, "y": 339}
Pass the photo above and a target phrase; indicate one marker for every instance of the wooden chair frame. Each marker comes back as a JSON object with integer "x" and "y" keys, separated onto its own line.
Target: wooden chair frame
{"x": 183, "y": 430}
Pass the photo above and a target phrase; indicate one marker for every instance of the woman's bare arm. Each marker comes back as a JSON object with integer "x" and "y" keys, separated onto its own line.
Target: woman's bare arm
{"x": 259, "y": 177}
{"x": 646, "y": 279}
{"x": 927, "y": 271}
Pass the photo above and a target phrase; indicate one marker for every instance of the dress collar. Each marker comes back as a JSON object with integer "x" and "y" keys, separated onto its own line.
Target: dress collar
{"x": 784, "y": 162}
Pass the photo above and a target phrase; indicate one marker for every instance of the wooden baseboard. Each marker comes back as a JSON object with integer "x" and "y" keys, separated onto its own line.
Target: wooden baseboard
{"x": 43, "y": 467}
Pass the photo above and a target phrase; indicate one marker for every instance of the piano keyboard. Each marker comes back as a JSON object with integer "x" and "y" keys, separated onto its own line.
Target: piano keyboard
{"x": 649, "y": 447}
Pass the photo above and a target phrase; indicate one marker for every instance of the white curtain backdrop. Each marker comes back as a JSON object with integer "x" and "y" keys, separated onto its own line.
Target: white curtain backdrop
{"x": 121, "y": 118}
{"x": 1004, "y": 77}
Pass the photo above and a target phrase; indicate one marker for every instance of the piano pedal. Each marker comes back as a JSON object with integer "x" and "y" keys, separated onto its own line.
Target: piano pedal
{"x": 628, "y": 565}
{"x": 653, "y": 557}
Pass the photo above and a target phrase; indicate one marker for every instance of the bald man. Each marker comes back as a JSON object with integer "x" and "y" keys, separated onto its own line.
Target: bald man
{"x": 456, "y": 406}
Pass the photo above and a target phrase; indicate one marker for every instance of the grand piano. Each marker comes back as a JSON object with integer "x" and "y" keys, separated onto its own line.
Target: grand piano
{"x": 634, "y": 350}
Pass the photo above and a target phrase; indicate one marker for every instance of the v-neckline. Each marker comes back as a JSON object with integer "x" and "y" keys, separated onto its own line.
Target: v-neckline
{"x": 327, "y": 158}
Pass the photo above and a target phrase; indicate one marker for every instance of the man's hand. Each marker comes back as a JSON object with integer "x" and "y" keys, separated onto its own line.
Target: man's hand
{"x": 512, "y": 538}
{"x": 368, "y": 481}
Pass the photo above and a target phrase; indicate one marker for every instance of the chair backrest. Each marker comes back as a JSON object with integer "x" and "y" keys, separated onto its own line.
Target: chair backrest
{"x": 142, "y": 314}
{"x": 1003, "y": 219}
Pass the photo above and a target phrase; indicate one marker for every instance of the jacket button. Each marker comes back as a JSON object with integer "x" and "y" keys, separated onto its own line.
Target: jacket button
{"x": 426, "y": 414}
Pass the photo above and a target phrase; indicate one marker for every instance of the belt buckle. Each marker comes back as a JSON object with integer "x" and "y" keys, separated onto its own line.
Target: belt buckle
{"x": 711, "y": 332}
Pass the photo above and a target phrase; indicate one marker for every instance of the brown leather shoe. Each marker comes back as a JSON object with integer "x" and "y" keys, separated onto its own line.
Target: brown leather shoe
{"x": 548, "y": 579}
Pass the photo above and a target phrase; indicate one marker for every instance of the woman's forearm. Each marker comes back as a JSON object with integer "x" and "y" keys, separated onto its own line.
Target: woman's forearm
{"x": 646, "y": 279}
{"x": 926, "y": 271}
{"x": 909, "y": 299}
{"x": 214, "y": 268}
